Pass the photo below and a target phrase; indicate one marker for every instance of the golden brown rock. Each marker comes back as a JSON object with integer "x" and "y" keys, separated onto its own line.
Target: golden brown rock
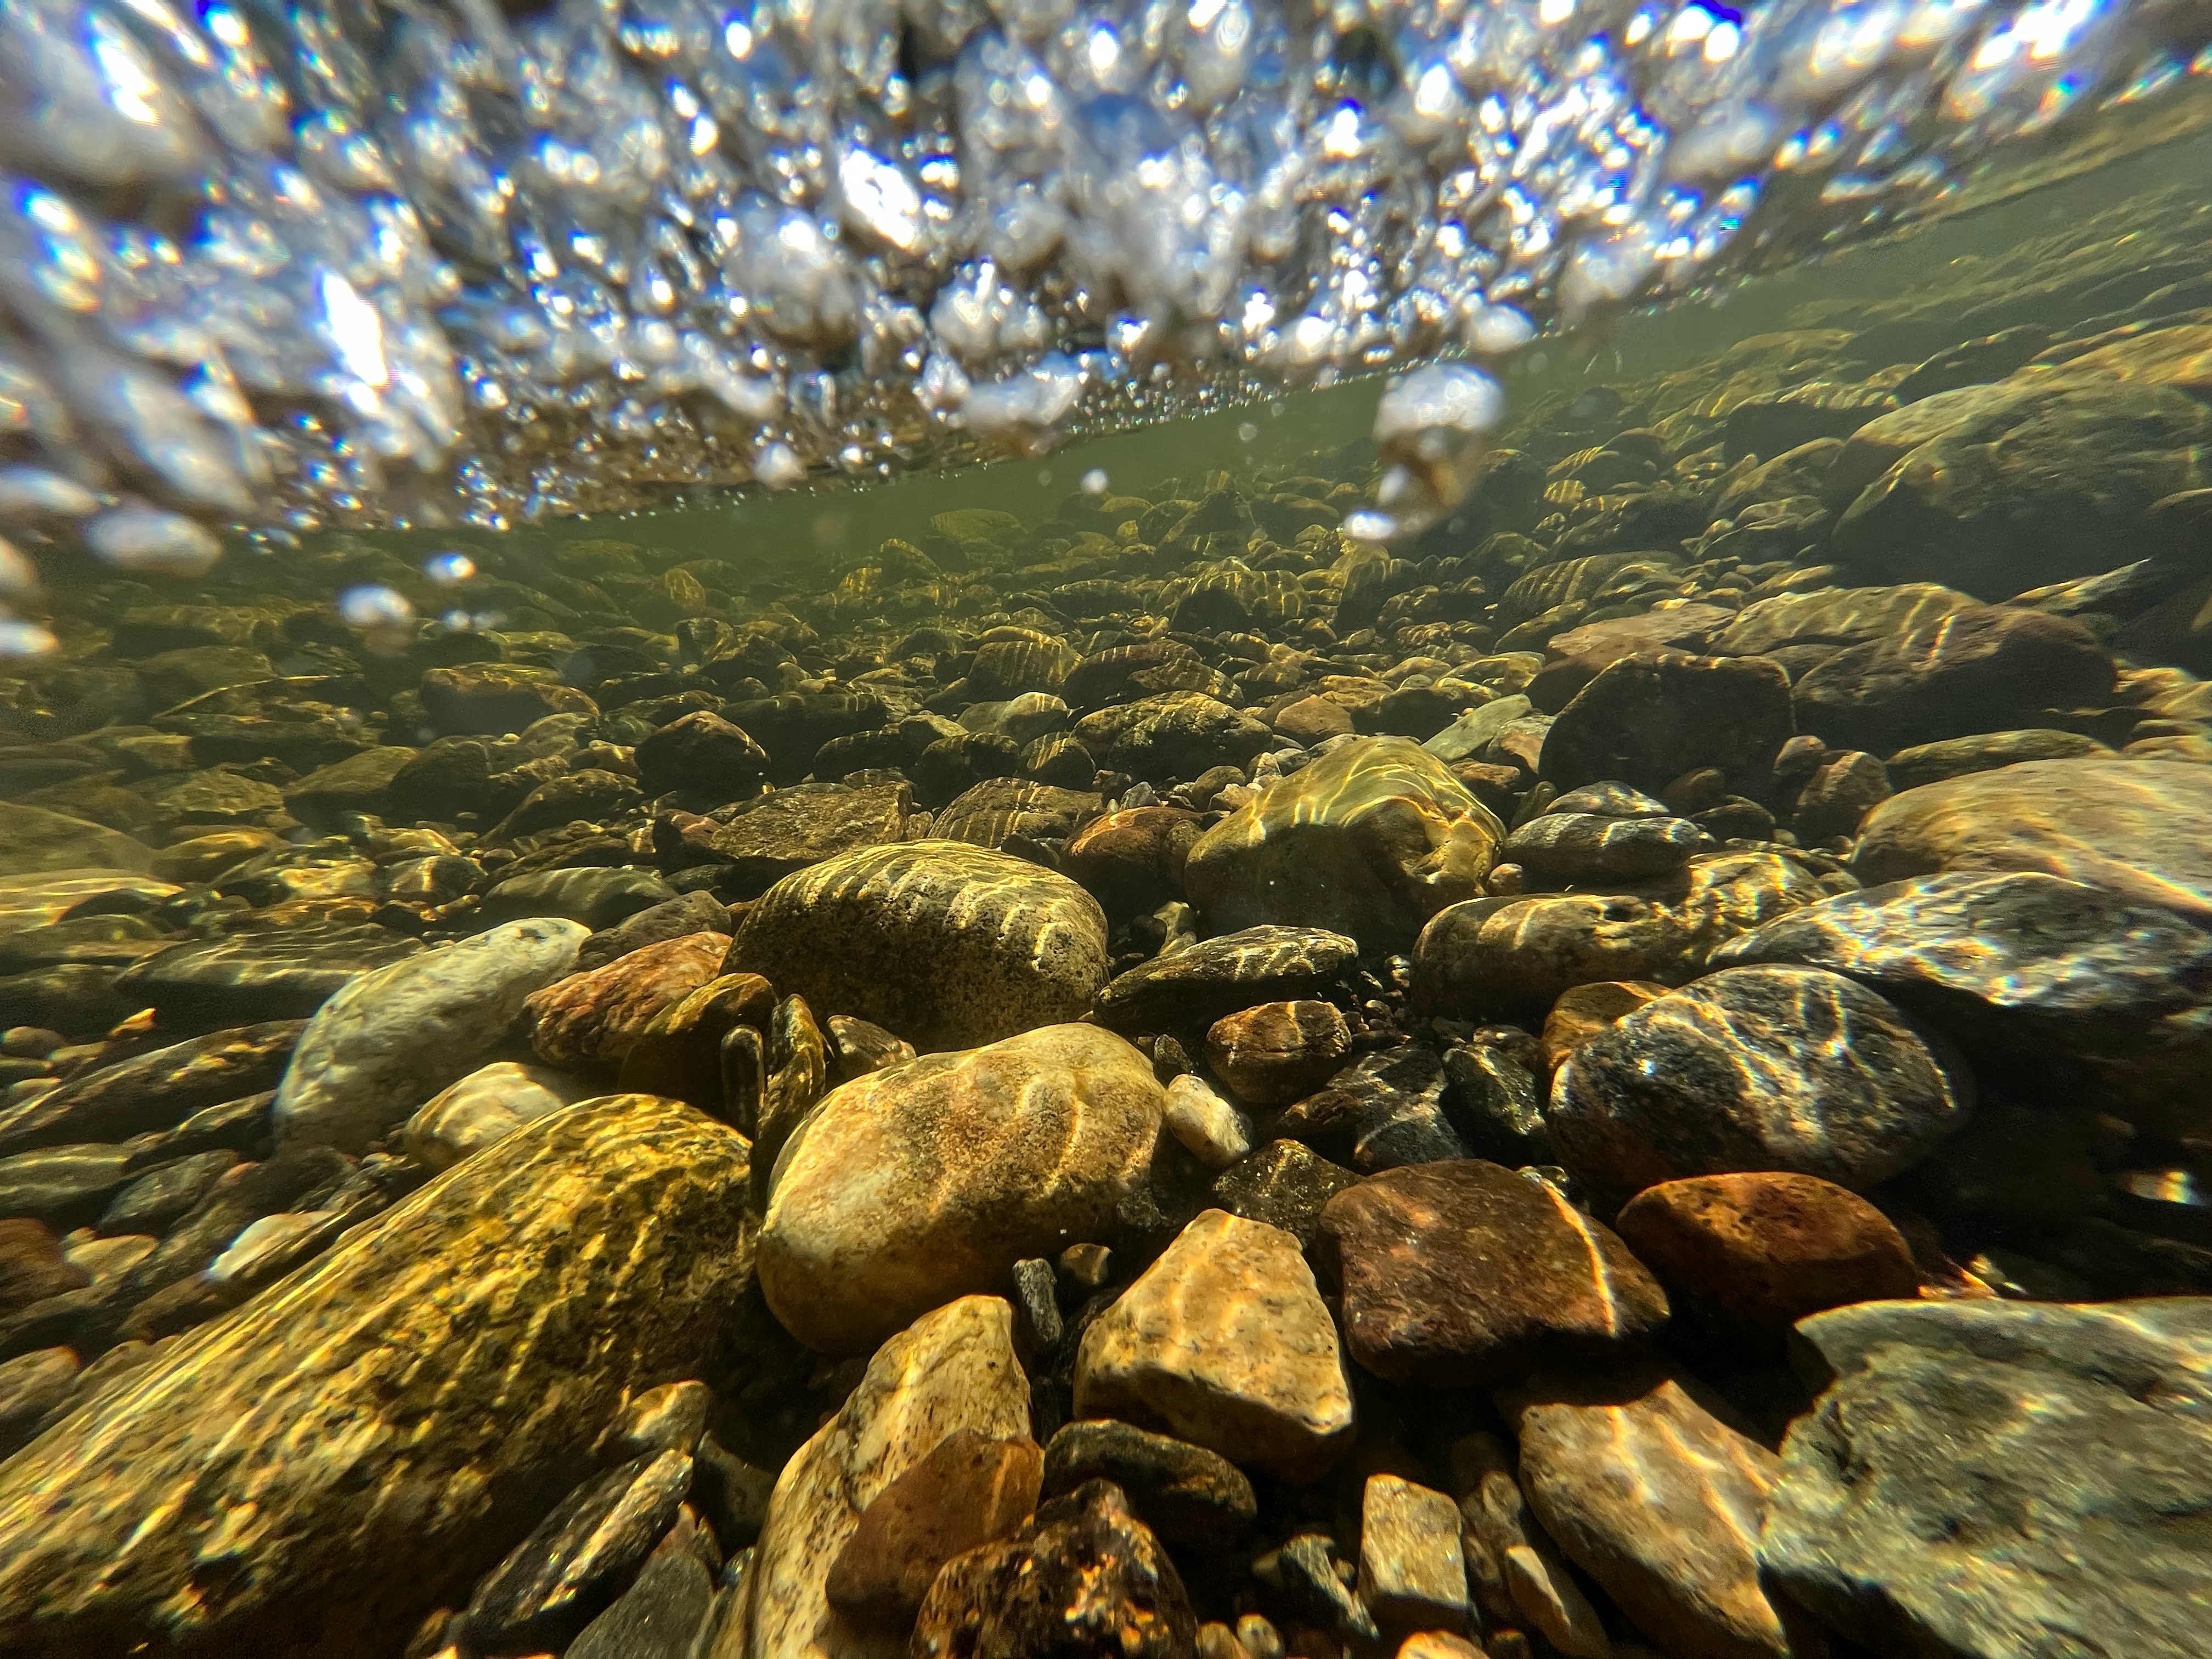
{"x": 1277, "y": 1051}
{"x": 1583, "y": 1011}
{"x": 968, "y": 1491}
{"x": 600, "y": 1016}
{"x": 311, "y": 1474}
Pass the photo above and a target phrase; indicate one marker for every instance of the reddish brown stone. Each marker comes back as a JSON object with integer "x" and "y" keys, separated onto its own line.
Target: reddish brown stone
{"x": 1766, "y": 1250}
{"x": 1277, "y": 1051}
{"x": 967, "y": 1491}
{"x": 31, "y": 1266}
{"x": 1465, "y": 1272}
{"x": 1132, "y": 861}
{"x": 601, "y": 1015}
{"x": 1583, "y": 1011}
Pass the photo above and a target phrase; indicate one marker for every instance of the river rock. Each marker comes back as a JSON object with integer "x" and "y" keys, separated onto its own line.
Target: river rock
{"x": 1650, "y": 717}
{"x": 1371, "y": 840}
{"x": 1984, "y": 751}
{"x": 1384, "y": 1109}
{"x": 945, "y": 945}
{"x": 1277, "y": 1051}
{"x": 1580, "y": 846}
{"x": 283, "y": 974}
{"x": 154, "y": 1091}
{"x": 953, "y": 1369}
{"x": 1648, "y": 1490}
{"x": 1185, "y": 1493}
{"x": 927, "y": 1181}
{"x": 1505, "y": 956}
{"x": 61, "y": 1183}
{"x": 1765, "y": 1249}
{"x": 2137, "y": 827}
{"x": 966, "y": 1493}
{"x": 1285, "y": 1184}
{"x": 596, "y": 896}
{"x": 444, "y": 1423}
{"x": 1226, "y": 1342}
{"x": 1465, "y": 1272}
{"x": 488, "y": 1105}
{"x": 1132, "y": 859}
{"x": 770, "y": 838}
{"x": 32, "y": 1267}
{"x": 687, "y": 913}
{"x": 1755, "y": 1068}
{"x": 33, "y": 841}
{"x": 1083, "y": 1575}
{"x": 702, "y": 753}
{"x": 1177, "y": 734}
{"x": 598, "y": 1017}
{"x": 1412, "y": 1574}
{"x": 389, "y": 1040}
{"x": 1203, "y": 982}
{"x": 1993, "y": 1479}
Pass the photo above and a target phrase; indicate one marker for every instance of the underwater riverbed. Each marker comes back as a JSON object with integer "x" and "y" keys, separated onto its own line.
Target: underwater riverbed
{"x": 1063, "y": 1058}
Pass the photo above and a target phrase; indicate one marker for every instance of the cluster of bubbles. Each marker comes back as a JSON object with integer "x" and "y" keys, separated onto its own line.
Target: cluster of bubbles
{"x": 348, "y": 261}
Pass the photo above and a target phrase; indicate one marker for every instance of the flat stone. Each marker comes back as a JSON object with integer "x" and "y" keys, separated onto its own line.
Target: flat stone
{"x": 160, "y": 1196}
{"x": 997, "y": 808}
{"x": 1224, "y": 1342}
{"x": 1570, "y": 847}
{"x": 1465, "y": 1272}
{"x": 356, "y": 784}
{"x": 1766, "y": 1249}
{"x": 1213, "y": 1131}
{"x": 574, "y": 1561}
{"x": 1277, "y": 1051}
{"x": 1496, "y": 1098}
{"x": 1412, "y": 1575}
{"x": 1984, "y": 751}
{"x": 928, "y": 1180}
{"x": 479, "y": 1401}
{"x": 966, "y": 1493}
{"x": 1993, "y": 1479}
{"x": 33, "y": 840}
{"x": 483, "y": 1107}
{"x": 1083, "y": 1576}
{"x": 1646, "y": 1490}
{"x": 1185, "y": 1493}
{"x": 280, "y": 974}
{"x": 154, "y": 1091}
{"x": 598, "y": 1017}
{"x": 1284, "y": 1184}
{"x": 1203, "y": 982}
{"x": 1648, "y": 718}
{"x": 676, "y": 918}
{"x": 390, "y": 1039}
{"x": 1754, "y": 1068}
{"x": 2137, "y": 827}
{"x": 661, "y": 1616}
{"x": 944, "y": 945}
{"x": 1371, "y": 840}
{"x": 953, "y": 1369}
{"x": 40, "y": 898}
{"x": 56, "y": 1183}
{"x": 597, "y": 897}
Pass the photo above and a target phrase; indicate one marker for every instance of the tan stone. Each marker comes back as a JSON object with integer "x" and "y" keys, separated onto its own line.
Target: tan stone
{"x": 356, "y": 1446}
{"x": 1412, "y": 1574}
{"x": 1583, "y": 1011}
{"x": 968, "y": 1491}
{"x": 599, "y": 1016}
{"x": 1277, "y": 1051}
{"x": 929, "y": 1180}
{"x": 1226, "y": 1342}
{"x": 484, "y": 1107}
{"x": 953, "y": 1369}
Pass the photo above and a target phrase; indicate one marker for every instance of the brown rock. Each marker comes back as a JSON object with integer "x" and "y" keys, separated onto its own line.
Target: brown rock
{"x": 601, "y": 1015}
{"x": 1132, "y": 861}
{"x": 1412, "y": 1575}
{"x": 1661, "y": 1502}
{"x": 1226, "y": 1342}
{"x": 1285, "y": 1183}
{"x": 1767, "y": 1249}
{"x": 1309, "y": 719}
{"x": 967, "y": 1492}
{"x": 1277, "y": 1051}
{"x": 31, "y": 1266}
{"x": 1465, "y": 1272}
{"x": 1085, "y": 1578}
{"x": 1583, "y": 1011}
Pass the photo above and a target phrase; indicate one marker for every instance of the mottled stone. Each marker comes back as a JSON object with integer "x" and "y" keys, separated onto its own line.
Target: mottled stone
{"x": 1755, "y": 1068}
{"x": 660, "y": 1616}
{"x": 597, "y": 897}
{"x": 927, "y": 1181}
{"x": 1224, "y": 1342}
{"x": 968, "y": 1491}
{"x": 1199, "y": 984}
{"x": 32, "y": 1386}
{"x": 1211, "y": 1130}
{"x": 33, "y": 840}
{"x": 680, "y": 1052}
{"x": 953, "y": 1369}
{"x": 154, "y": 1091}
{"x": 1496, "y": 1096}
{"x": 356, "y": 784}
{"x": 998, "y": 810}
{"x": 1648, "y": 718}
{"x": 483, "y": 1107}
{"x": 160, "y": 1196}
{"x": 1837, "y": 797}
{"x": 445, "y": 1423}
{"x": 1132, "y": 859}
{"x": 1284, "y": 1184}
{"x": 1570, "y": 846}
{"x": 702, "y": 753}
{"x": 1412, "y": 1574}
{"x": 390, "y": 1039}
{"x": 1177, "y": 734}
{"x": 688, "y": 912}
{"x": 1513, "y": 1567}
{"x": 31, "y": 1265}
{"x": 2002, "y": 1481}
{"x": 944, "y": 943}
{"x": 1083, "y": 1577}
{"x": 770, "y": 838}
{"x": 1500, "y": 955}
{"x": 575, "y": 1561}
{"x": 2137, "y": 827}
{"x": 1185, "y": 1493}
{"x": 1371, "y": 840}
{"x": 283, "y": 974}
{"x": 486, "y": 698}
{"x": 599, "y": 1016}
{"x": 1384, "y": 1109}
{"x": 1767, "y": 1247}
{"x": 1465, "y": 1272}
{"x": 1277, "y": 1051}
{"x": 1659, "y": 1500}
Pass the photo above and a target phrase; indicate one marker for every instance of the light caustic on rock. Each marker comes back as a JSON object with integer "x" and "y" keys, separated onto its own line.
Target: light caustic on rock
{"x": 328, "y": 264}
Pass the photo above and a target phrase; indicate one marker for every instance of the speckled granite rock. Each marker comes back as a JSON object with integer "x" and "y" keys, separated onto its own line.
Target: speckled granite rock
{"x": 447, "y": 1426}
